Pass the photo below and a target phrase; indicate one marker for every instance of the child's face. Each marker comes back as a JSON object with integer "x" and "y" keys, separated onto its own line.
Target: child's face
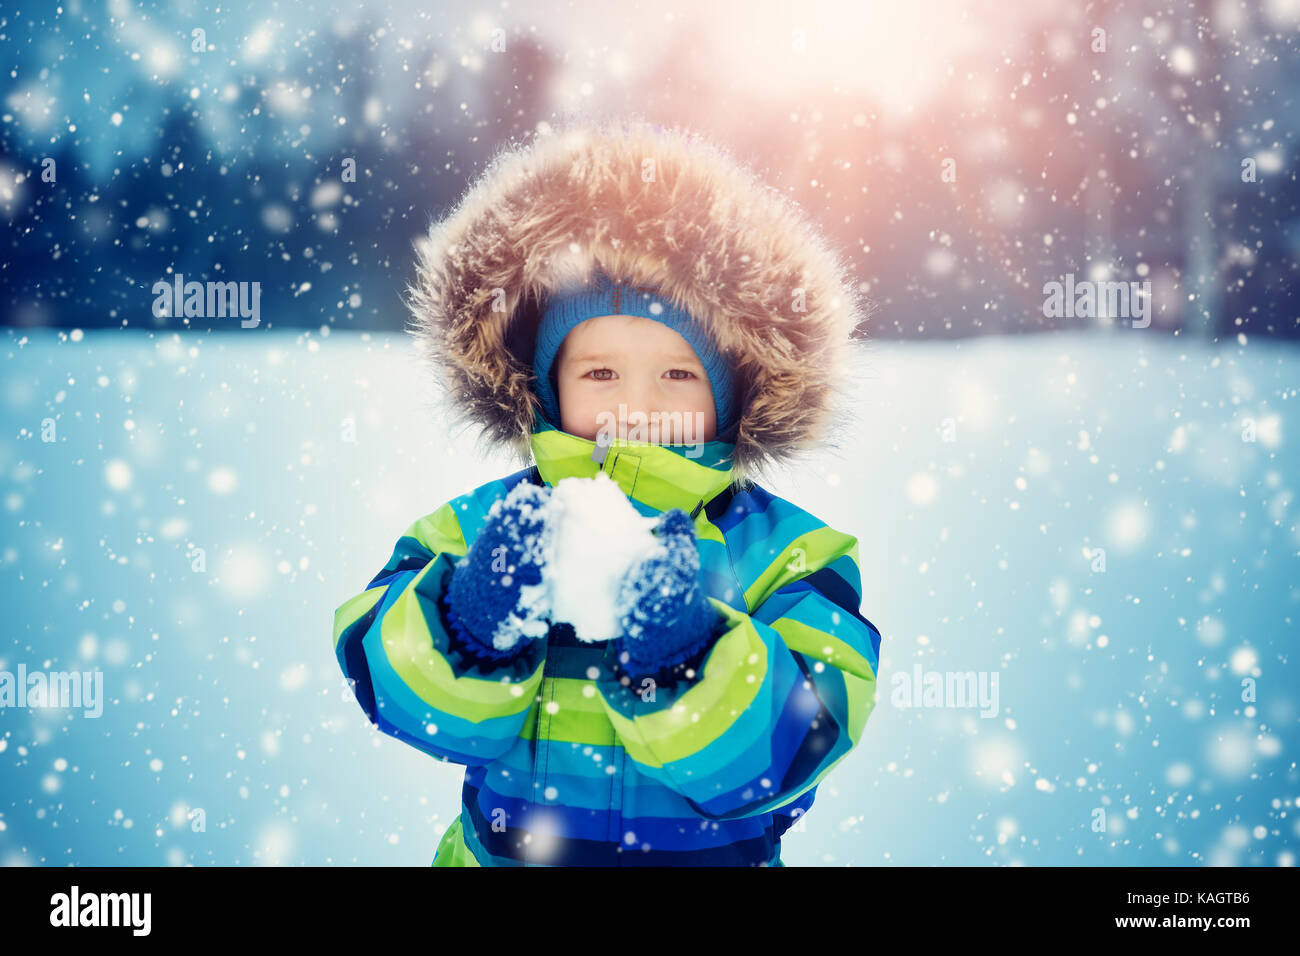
{"x": 641, "y": 364}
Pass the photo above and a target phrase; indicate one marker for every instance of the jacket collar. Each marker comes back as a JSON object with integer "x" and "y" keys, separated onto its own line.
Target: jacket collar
{"x": 655, "y": 477}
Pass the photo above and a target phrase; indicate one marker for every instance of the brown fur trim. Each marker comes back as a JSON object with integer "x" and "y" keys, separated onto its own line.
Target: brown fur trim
{"x": 704, "y": 230}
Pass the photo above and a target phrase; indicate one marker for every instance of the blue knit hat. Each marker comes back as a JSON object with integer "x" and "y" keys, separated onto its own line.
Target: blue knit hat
{"x": 565, "y": 310}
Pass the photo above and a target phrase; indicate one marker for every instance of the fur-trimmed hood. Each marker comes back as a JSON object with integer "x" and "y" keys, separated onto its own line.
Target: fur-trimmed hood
{"x": 661, "y": 207}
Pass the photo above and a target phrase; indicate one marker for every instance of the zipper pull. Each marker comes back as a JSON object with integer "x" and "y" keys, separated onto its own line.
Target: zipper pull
{"x": 697, "y": 508}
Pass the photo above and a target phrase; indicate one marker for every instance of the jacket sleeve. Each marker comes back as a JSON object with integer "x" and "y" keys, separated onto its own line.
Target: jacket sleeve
{"x": 778, "y": 699}
{"x": 412, "y": 675}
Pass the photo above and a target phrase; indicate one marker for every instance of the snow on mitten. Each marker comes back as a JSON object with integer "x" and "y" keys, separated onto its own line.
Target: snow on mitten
{"x": 496, "y": 597}
{"x": 665, "y": 615}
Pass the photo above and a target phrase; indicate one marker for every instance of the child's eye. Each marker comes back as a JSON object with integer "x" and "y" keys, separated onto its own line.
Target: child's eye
{"x": 599, "y": 378}
{"x": 686, "y": 373}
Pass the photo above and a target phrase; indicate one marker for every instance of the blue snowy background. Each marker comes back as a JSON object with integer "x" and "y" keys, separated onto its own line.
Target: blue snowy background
{"x": 989, "y": 466}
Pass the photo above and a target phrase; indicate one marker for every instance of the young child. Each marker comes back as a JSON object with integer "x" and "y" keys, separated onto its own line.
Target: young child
{"x": 608, "y": 270}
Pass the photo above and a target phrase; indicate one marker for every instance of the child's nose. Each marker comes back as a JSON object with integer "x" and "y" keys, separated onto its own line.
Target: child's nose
{"x": 646, "y": 397}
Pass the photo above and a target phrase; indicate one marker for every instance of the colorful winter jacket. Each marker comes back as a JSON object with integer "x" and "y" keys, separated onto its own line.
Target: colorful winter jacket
{"x": 567, "y": 761}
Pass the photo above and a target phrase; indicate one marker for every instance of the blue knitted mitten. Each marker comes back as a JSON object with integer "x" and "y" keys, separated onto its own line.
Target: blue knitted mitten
{"x": 495, "y": 598}
{"x": 665, "y": 615}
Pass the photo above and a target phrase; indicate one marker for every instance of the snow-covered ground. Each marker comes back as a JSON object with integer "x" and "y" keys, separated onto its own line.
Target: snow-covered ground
{"x": 1144, "y": 714}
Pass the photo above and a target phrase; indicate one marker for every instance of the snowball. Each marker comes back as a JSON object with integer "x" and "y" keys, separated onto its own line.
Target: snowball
{"x": 593, "y": 537}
